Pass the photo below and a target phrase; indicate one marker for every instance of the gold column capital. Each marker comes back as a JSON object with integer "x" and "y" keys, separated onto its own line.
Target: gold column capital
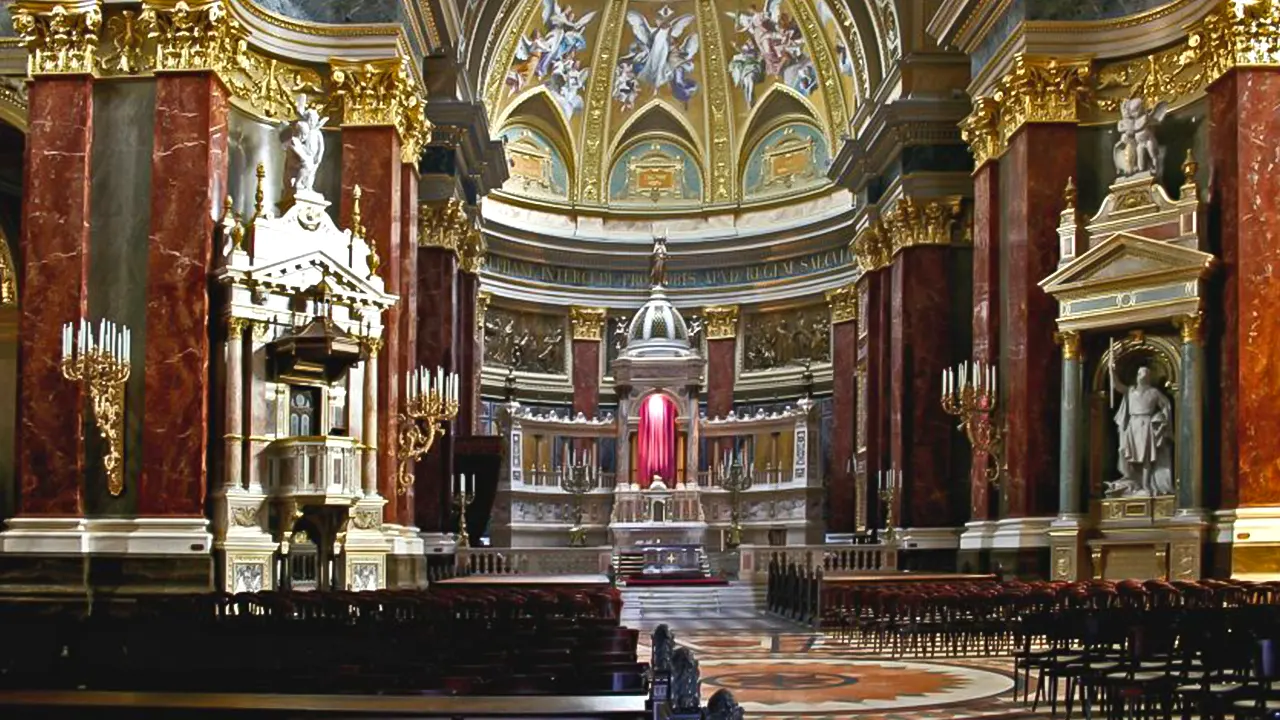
{"x": 843, "y": 302}
{"x": 1070, "y": 342}
{"x": 472, "y": 252}
{"x": 1042, "y": 90}
{"x": 912, "y": 222}
{"x": 587, "y": 322}
{"x": 192, "y": 35}
{"x": 1239, "y": 32}
{"x": 871, "y": 247}
{"x": 722, "y": 322}
{"x": 236, "y": 326}
{"x": 981, "y": 130}
{"x": 384, "y": 92}
{"x": 1192, "y": 328}
{"x": 443, "y": 224}
{"x": 61, "y": 38}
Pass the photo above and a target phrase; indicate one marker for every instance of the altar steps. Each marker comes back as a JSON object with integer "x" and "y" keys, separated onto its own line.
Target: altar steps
{"x": 736, "y": 606}
{"x": 631, "y": 564}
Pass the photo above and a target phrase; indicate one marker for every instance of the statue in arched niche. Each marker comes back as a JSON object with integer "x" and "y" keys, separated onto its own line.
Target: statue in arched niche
{"x": 1145, "y": 424}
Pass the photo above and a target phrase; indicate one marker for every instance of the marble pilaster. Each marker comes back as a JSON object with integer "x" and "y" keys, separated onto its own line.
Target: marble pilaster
{"x": 1190, "y": 441}
{"x": 405, "y": 512}
{"x": 588, "y": 332}
{"x": 233, "y": 440}
{"x": 722, "y": 359}
{"x": 437, "y": 330}
{"x": 371, "y": 159}
{"x": 986, "y": 309}
{"x": 188, "y": 171}
{"x": 468, "y": 355}
{"x": 1031, "y": 180}
{"x": 873, "y": 348}
{"x": 55, "y": 262}
{"x": 1072, "y": 438}
{"x": 842, "y": 494}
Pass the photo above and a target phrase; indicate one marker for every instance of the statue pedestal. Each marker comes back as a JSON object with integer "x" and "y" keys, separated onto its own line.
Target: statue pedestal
{"x": 1145, "y": 537}
{"x": 1069, "y": 560}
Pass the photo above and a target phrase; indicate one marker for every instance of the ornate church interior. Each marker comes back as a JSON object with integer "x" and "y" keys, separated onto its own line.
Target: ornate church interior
{"x": 621, "y": 359}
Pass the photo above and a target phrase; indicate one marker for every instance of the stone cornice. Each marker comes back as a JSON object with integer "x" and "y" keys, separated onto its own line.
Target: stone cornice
{"x": 890, "y": 128}
{"x": 464, "y": 127}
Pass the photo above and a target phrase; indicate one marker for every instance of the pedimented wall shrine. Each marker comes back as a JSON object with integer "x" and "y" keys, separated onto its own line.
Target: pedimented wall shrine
{"x": 365, "y": 296}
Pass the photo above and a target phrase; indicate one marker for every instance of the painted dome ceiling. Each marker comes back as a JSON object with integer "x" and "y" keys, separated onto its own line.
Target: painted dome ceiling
{"x": 674, "y": 106}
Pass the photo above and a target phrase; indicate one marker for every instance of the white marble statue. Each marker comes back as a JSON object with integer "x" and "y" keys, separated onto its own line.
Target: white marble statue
{"x": 1146, "y": 453}
{"x": 306, "y": 147}
{"x": 1137, "y": 152}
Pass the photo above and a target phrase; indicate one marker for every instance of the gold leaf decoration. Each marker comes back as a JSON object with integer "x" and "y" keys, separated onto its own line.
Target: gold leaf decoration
{"x": 58, "y": 40}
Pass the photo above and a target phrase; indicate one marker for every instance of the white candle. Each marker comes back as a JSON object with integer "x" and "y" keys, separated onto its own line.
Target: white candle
{"x": 128, "y": 344}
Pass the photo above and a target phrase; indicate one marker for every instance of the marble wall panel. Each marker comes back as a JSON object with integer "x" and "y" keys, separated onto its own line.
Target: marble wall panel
{"x": 720, "y": 376}
{"x": 468, "y": 353}
{"x": 189, "y": 170}
{"x": 120, "y": 211}
{"x": 55, "y": 242}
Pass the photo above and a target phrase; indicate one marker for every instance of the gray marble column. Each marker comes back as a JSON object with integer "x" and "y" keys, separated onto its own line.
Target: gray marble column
{"x": 1190, "y": 419}
{"x": 1071, "y": 458}
{"x": 369, "y": 424}
{"x": 234, "y": 439}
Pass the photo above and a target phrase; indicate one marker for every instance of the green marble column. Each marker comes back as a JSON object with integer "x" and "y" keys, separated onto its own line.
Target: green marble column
{"x": 1071, "y": 458}
{"x": 1190, "y": 420}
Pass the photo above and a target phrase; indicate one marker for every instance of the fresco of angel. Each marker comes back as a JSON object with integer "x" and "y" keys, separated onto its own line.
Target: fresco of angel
{"x": 777, "y": 45}
{"x": 661, "y": 54}
{"x": 549, "y": 54}
{"x": 844, "y": 57}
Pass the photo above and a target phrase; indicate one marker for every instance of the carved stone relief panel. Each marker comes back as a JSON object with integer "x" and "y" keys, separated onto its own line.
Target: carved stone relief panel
{"x": 525, "y": 341}
{"x": 787, "y": 337}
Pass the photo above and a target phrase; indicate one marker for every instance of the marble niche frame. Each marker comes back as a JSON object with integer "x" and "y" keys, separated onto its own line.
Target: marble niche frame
{"x": 1137, "y": 271}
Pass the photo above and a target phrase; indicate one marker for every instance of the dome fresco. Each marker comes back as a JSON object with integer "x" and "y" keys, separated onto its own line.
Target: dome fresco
{"x": 668, "y": 105}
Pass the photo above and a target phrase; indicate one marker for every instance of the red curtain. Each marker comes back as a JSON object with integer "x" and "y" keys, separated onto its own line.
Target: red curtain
{"x": 657, "y": 441}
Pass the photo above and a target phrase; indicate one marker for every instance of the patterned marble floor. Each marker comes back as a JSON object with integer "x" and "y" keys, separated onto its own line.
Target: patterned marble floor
{"x": 782, "y": 671}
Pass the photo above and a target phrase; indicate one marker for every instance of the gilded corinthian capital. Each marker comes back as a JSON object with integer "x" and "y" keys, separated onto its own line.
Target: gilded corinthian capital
{"x": 872, "y": 247}
{"x": 384, "y": 92}
{"x": 981, "y": 129}
{"x": 192, "y": 36}
{"x": 587, "y": 323}
{"x": 1041, "y": 90}
{"x": 722, "y": 322}
{"x": 443, "y": 224}
{"x": 911, "y": 222}
{"x": 843, "y": 302}
{"x": 471, "y": 254}
{"x": 61, "y": 38}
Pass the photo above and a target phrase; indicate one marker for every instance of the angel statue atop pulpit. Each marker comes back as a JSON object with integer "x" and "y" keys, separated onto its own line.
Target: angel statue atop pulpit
{"x": 306, "y": 147}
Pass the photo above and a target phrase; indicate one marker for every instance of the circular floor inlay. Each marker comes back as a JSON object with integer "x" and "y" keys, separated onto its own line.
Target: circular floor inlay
{"x": 834, "y": 685}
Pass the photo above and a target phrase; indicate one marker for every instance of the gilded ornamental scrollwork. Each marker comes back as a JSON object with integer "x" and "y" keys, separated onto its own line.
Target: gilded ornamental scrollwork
{"x": 197, "y": 36}
{"x": 62, "y": 39}
{"x": 471, "y": 254}
{"x": 721, "y": 322}
{"x": 981, "y": 129}
{"x": 872, "y": 248}
{"x": 127, "y": 33}
{"x": 1042, "y": 90}
{"x": 587, "y": 322}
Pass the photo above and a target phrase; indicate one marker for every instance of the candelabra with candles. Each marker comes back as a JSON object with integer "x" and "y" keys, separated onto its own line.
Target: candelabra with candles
{"x": 970, "y": 393}
{"x": 736, "y": 478}
{"x": 578, "y": 479}
{"x": 462, "y": 499}
{"x": 430, "y": 401}
{"x": 101, "y": 363}
{"x": 889, "y": 485}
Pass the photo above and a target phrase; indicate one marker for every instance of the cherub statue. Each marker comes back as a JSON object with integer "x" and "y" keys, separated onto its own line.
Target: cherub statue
{"x": 686, "y": 681}
{"x": 1137, "y": 150}
{"x": 306, "y": 147}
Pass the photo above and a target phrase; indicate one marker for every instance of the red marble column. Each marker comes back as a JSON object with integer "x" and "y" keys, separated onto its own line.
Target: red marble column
{"x": 437, "y": 314}
{"x": 842, "y": 492}
{"x": 371, "y": 159}
{"x": 986, "y": 307}
{"x": 1243, "y": 132}
{"x": 586, "y": 377}
{"x": 405, "y": 514}
{"x": 721, "y": 369}
{"x": 875, "y": 342}
{"x": 921, "y": 437}
{"x": 1036, "y": 167}
{"x": 468, "y": 356}
{"x": 55, "y": 267}
{"x": 188, "y": 181}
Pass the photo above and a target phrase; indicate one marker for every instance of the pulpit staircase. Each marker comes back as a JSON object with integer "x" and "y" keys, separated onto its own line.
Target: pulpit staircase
{"x": 628, "y": 563}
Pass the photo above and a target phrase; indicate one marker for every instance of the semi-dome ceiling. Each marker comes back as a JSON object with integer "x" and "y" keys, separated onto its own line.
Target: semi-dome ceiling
{"x": 672, "y": 106}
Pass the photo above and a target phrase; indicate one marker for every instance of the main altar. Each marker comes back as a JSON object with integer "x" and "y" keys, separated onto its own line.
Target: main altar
{"x": 659, "y": 474}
